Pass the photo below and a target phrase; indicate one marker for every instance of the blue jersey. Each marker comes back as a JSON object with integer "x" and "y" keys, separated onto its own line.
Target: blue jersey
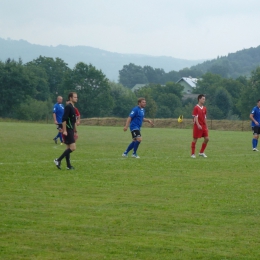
{"x": 58, "y": 109}
{"x": 137, "y": 115}
{"x": 256, "y": 114}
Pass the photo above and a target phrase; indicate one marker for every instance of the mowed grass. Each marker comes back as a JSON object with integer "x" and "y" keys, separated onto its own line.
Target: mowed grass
{"x": 164, "y": 205}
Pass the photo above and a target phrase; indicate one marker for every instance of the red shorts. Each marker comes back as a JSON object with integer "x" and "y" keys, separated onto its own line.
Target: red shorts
{"x": 198, "y": 133}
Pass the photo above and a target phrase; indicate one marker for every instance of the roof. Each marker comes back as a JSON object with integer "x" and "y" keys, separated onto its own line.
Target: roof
{"x": 191, "y": 81}
{"x": 138, "y": 86}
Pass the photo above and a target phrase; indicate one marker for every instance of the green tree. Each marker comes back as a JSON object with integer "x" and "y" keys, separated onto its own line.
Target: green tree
{"x": 39, "y": 79}
{"x": 171, "y": 101}
{"x": 55, "y": 70}
{"x": 131, "y": 75}
{"x": 33, "y": 110}
{"x": 249, "y": 94}
{"x": 207, "y": 84}
{"x": 123, "y": 99}
{"x": 151, "y": 106}
{"x": 223, "y": 101}
{"x": 154, "y": 75}
{"x": 15, "y": 85}
{"x": 93, "y": 90}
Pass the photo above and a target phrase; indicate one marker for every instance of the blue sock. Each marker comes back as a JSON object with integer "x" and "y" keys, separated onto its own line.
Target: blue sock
{"x": 254, "y": 143}
{"x": 129, "y": 148}
{"x": 136, "y": 144}
{"x": 60, "y": 136}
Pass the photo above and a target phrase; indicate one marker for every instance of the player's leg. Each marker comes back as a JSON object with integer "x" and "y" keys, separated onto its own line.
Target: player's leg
{"x": 196, "y": 134}
{"x": 256, "y": 130}
{"x": 137, "y": 142}
{"x": 193, "y": 147}
{"x": 205, "y": 134}
{"x": 71, "y": 146}
{"x": 131, "y": 145}
{"x": 129, "y": 148}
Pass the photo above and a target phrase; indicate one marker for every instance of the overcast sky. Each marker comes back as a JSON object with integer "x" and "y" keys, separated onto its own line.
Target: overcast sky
{"x": 187, "y": 29}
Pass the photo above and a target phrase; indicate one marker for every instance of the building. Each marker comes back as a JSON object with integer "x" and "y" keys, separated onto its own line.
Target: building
{"x": 188, "y": 83}
{"x": 137, "y": 87}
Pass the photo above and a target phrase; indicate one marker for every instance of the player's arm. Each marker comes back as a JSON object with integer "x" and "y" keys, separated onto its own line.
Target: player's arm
{"x": 128, "y": 121}
{"x": 197, "y": 122}
{"x": 78, "y": 120}
{"x": 149, "y": 121}
{"x": 54, "y": 118}
{"x": 252, "y": 118}
{"x": 77, "y": 116}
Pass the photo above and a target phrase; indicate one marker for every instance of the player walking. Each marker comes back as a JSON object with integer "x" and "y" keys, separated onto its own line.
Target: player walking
{"x": 136, "y": 119}
{"x": 200, "y": 128}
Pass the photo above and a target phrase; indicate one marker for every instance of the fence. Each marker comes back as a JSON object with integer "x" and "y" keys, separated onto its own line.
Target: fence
{"x": 228, "y": 125}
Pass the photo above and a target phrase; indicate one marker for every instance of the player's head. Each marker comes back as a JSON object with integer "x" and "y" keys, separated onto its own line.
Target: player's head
{"x": 141, "y": 102}
{"x": 59, "y": 99}
{"x": 258, "y": 103}
{"x": 73, "y": 97}
{"x": 201, "y": 98}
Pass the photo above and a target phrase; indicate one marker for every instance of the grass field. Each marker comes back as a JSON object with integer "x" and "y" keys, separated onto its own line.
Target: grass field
{"x": 164, "y": 205}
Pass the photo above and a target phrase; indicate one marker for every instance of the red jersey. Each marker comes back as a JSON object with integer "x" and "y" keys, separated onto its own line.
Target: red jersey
{"x": 77, "y": 112}
{"x": 200, "y": 113}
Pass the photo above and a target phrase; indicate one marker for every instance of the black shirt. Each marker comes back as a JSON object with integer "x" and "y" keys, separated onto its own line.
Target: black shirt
{"x": 69, "y": 116}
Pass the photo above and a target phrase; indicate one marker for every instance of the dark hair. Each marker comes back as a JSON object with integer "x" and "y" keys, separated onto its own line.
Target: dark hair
{"x": 200, "y": 96}
{"x": 71, "y": 95}
{"x": 139, "y": 100}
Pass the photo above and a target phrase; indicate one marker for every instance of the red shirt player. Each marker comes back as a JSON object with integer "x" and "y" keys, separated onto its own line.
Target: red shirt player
{"x": 200, "y": 128}
{"x": 77, "y": 115}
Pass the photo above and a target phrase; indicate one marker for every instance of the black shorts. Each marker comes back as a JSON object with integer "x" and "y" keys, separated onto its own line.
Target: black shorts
{"x": 69, "y": 138}
{"x": 256, "y": 130}
{"x": 136, "y": 133}
{"x": 59, "y": 126}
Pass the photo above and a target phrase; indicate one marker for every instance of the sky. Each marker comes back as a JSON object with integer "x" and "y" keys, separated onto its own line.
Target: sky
{"x": 187, "y": 29}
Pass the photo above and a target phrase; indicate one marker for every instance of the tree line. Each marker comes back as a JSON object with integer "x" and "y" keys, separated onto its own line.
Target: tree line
{"x": 28, "y": 91}
{"x": 234, "y": 65}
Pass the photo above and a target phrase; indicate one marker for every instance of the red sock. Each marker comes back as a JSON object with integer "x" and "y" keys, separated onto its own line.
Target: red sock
{"x": 193, "y": 144}
{"x": 203, "y": 147}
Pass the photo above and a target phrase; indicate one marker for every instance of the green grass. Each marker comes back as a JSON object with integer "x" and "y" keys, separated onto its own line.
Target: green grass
{"x": 162, "y": 206}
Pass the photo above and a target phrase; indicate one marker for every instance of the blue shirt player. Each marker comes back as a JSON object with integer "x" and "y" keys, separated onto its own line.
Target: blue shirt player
{"x": 58, "y": 111}
{"x": 255, "y": 117}
{"x": 135, "y": 120}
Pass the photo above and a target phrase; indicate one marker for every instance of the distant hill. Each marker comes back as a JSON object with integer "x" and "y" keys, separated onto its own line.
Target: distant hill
{"x": 240, "y": 63}
{"x": 109, "y": 62}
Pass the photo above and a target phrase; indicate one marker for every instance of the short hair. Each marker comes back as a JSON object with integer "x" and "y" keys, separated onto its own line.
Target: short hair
{"x": 139, "y": 100}
{"x": 71, "y": 95}
{"x": 200, "y": 96}
{"x": 258, "y": 100}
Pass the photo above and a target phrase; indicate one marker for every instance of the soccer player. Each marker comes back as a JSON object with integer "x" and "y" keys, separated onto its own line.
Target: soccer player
{"x": 255, "y": 117}
{"x": 200, "y": 128}
{"x": 69, "y": 131}
{"x": 58, "y": 111}
{"x": 135, "y": 120}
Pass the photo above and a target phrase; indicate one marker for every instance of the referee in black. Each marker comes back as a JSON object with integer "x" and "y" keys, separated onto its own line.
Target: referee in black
{"x": 69, "y": 131}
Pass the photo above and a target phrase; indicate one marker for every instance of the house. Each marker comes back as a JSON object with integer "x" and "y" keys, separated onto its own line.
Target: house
{"x": 188, "y": 83}
{"x": 137, "y": 86}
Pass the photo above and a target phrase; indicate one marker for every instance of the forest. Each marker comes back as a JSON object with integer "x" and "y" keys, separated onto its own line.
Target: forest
{"x": 28, "y": 91}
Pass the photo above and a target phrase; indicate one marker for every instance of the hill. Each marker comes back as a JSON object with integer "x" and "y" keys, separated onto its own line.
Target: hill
{"x": 109, "y": 62}
{"x": 240, "y": 63}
